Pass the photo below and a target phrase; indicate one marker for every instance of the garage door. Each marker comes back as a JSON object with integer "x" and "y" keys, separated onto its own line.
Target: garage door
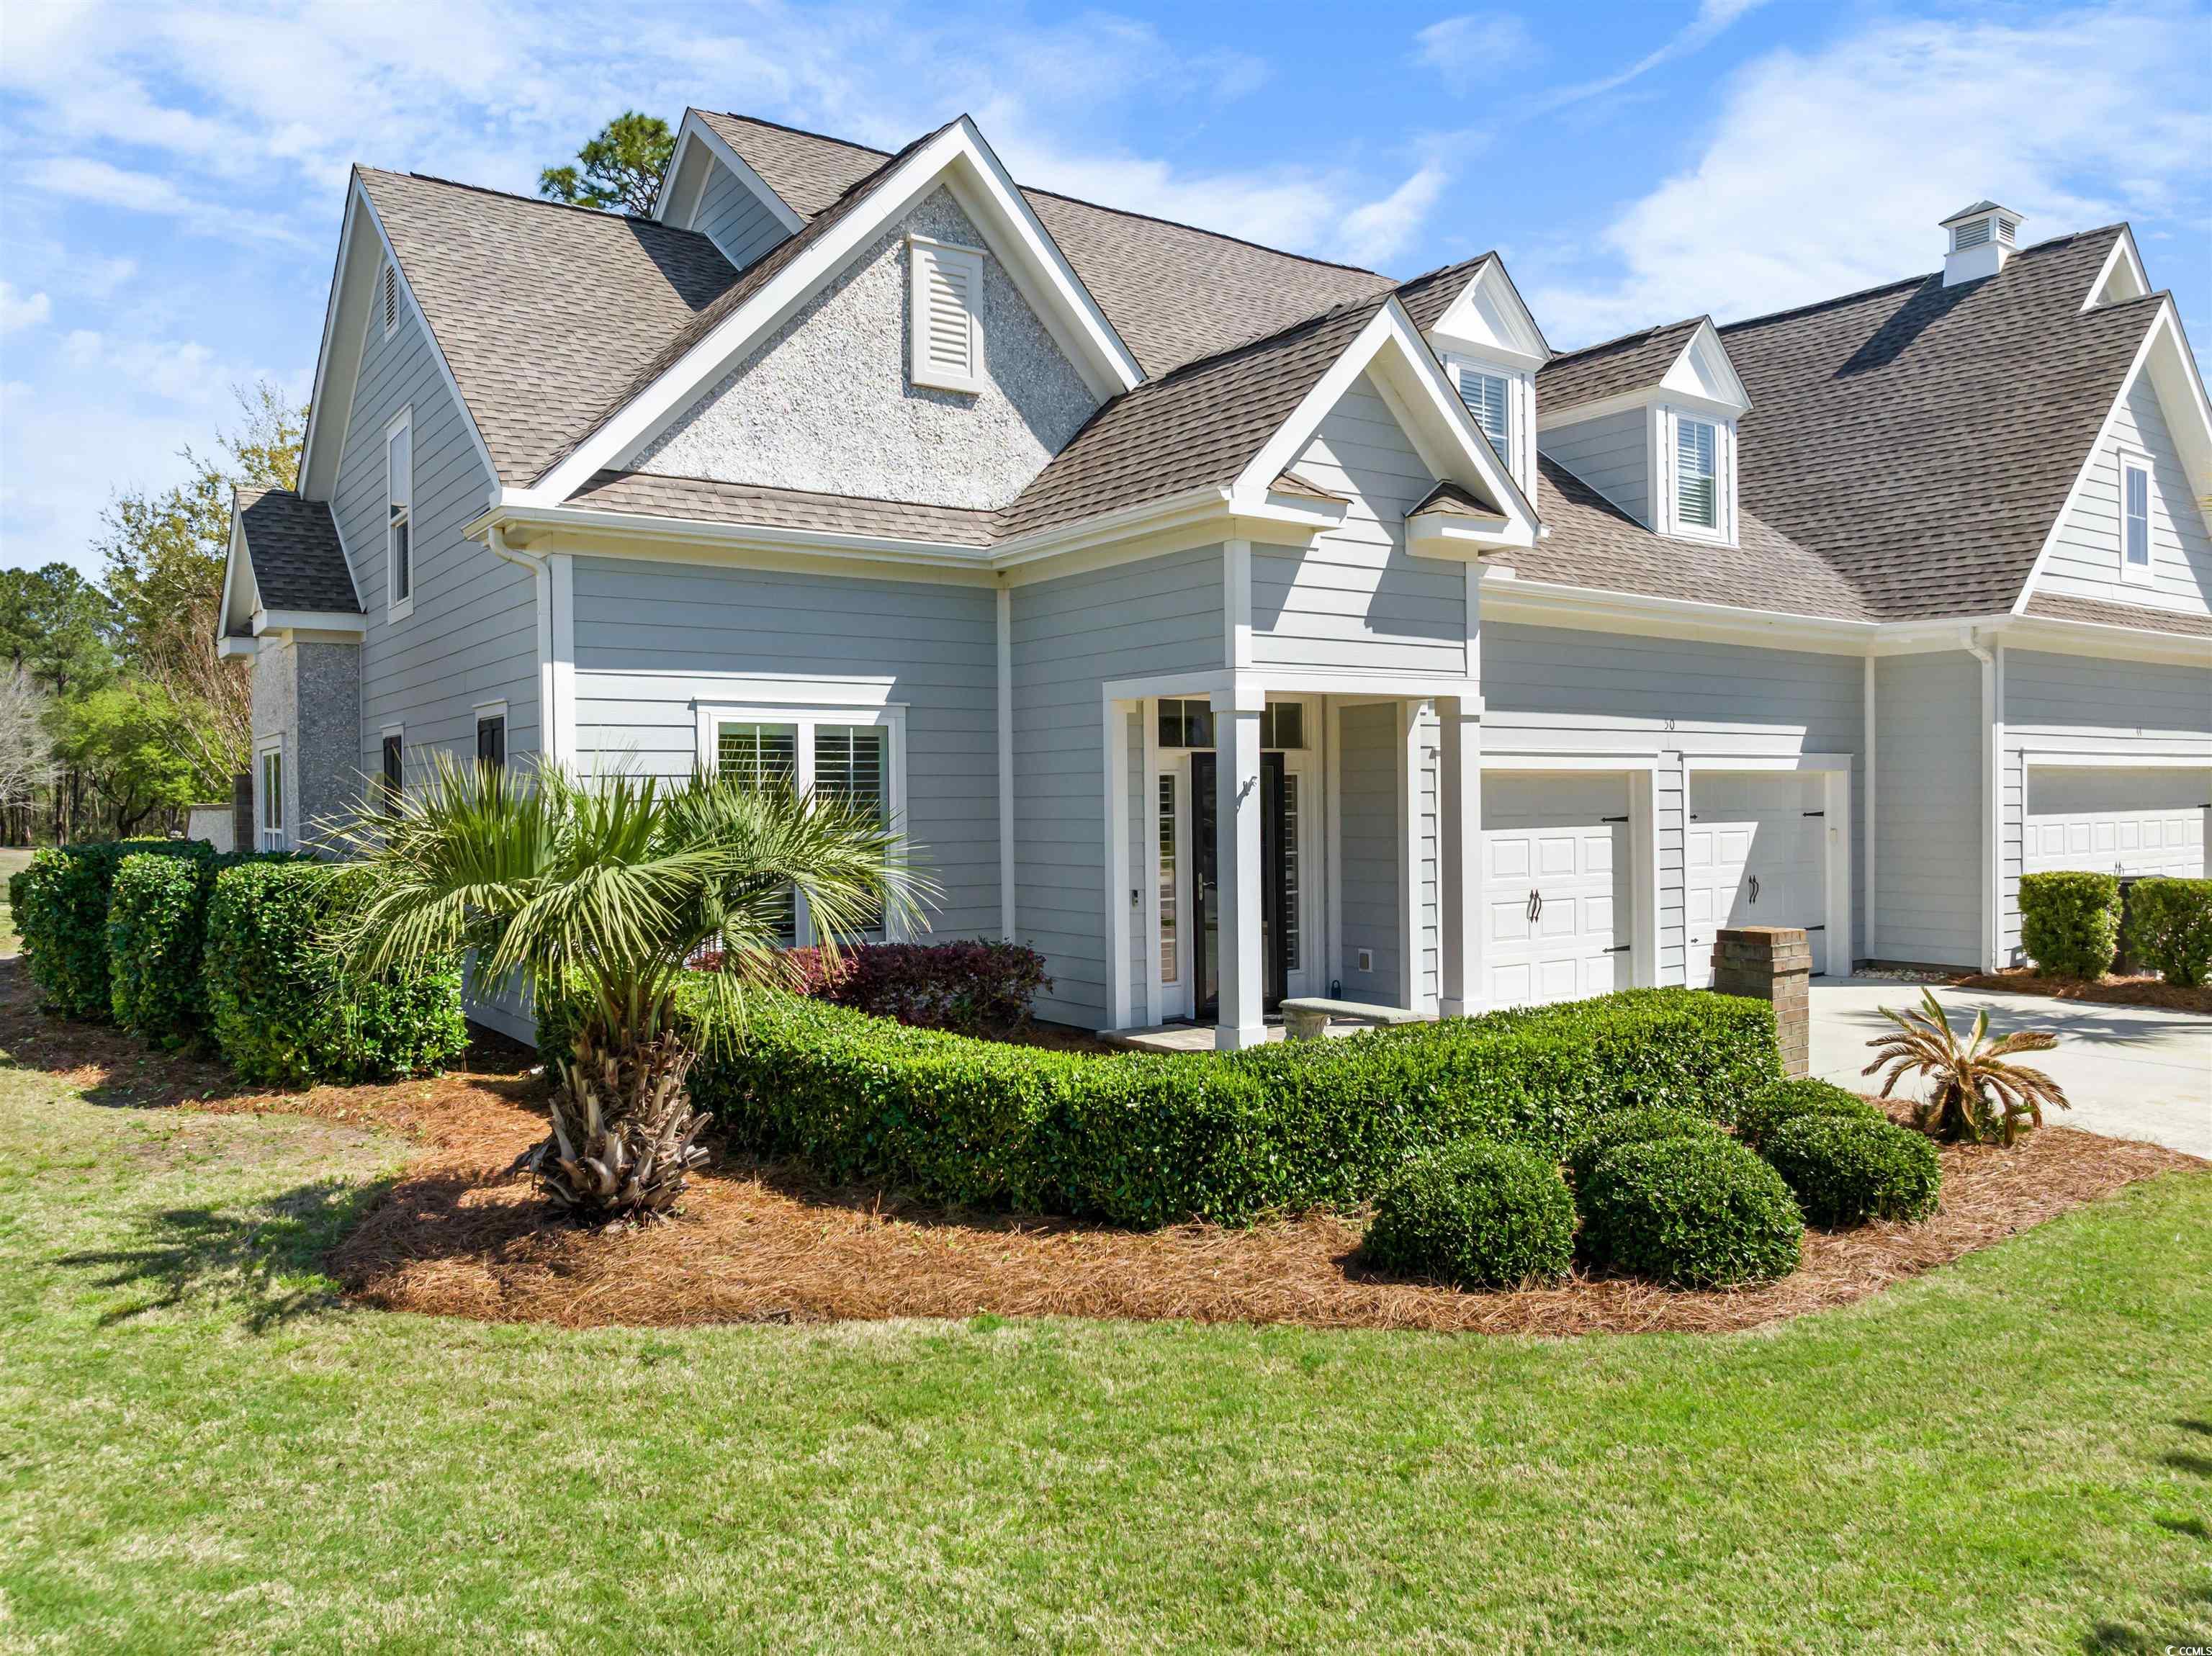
{"x": 1755, "y": 854}
{"x": 1555, "y": 887}
{"x": 2115, "y": 820}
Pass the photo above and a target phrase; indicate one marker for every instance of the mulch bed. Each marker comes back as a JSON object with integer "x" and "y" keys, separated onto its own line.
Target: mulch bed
{"x": 462, "y": 1234}
{"x": 2112, "y": 992}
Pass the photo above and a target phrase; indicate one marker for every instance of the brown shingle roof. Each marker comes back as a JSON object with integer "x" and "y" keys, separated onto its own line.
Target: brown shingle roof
{"x": 1594, "y": 543}
{"x": 293, "y": 545}
{"x": 1174, "y": 293}
{"x": 545, "y": 313}
{"x": 1453, "y": 500}
{"x": 705, "y": 500}
{"x": 1922, "y": 438}
{"x": 2054, "y": 606}
{"x": 1634, "y": 361}
{"x": 1427, "y": 297}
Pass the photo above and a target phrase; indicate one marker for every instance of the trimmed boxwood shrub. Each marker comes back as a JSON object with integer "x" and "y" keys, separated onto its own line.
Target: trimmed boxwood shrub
{"x": 1157, "y": 1139}
{"x": 1475, "y": 1213}
{"x": 2169, "y": 925}
{"x": 283, "y": 1012}
{"x": 1637, "y": 1126}
{"x": 2069, "y": 922}
{"x": 1690, "y": 1212}
{"x": 60, "y": 903}
{"x": 1778, "y": 1101}
{"x": 1845, "y": 1172}
{"x": 157, "y": 916}
{"x": 969, "y": 986}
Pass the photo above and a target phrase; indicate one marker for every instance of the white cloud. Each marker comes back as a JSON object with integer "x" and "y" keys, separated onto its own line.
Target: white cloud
{"x": 1713, "y": 17}
{"x": 1376, "y": 233}
{"x": 1492, "y": 46}
{"x": 1827, "y": 173}
{"x": 22, "y": 310}
{"x": 85, "y": 179}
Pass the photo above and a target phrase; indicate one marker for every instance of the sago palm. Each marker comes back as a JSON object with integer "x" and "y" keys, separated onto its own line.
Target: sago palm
{"x": 596, "y": 893}
{"x": 1976, "y": 1095}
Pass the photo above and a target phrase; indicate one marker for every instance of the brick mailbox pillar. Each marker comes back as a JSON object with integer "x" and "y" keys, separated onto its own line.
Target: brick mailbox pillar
{"x": 1774, "y": 963}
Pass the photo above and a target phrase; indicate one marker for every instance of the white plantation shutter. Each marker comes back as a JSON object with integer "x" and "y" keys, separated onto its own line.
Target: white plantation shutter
{"x": 1696, "y": 474}
{"x": 948, "y": 334}
{"x": 1485, "y": 396}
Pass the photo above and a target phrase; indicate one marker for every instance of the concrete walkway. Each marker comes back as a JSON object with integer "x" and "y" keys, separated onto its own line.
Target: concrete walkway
{"x": 2130, "y": 1071}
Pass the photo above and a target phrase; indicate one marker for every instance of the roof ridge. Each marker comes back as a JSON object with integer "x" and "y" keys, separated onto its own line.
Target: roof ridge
{"x": 1084, "y": 201}
{"x": 539, "y": 201}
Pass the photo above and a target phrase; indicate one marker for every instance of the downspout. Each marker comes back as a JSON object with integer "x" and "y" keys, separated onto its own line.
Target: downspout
{"x": 1868, "y": 800}
{"x": 1992, "y": 797}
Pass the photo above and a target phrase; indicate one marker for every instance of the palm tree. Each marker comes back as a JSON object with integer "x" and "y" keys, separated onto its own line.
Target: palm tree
{"x": 1978, "y": 1097}
{"x": 597, "y": 893}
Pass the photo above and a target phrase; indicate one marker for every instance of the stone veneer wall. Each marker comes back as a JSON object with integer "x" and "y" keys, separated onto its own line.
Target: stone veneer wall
{"x": 308, "y": 693}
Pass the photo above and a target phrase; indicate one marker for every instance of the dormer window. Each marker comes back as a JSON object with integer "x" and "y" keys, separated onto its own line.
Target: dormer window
{"x": 1696, "y": 474}
{"x": 945, "y": 306}
{"x": 1488, "y": 398}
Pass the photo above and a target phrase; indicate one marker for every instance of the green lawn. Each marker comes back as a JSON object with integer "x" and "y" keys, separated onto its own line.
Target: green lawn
{"x": 198, "y": 1449}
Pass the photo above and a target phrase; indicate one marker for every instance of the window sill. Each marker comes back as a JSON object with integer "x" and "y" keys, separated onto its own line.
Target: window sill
{"x": 399, "y": 611}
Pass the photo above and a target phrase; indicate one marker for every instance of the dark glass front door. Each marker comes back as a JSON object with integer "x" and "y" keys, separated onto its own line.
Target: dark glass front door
{"x": 1205, "y": 887}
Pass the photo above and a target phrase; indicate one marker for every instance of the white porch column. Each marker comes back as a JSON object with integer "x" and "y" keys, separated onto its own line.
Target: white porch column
{"x": 1236, "y": 830}
{"x": 1458, "y": 853}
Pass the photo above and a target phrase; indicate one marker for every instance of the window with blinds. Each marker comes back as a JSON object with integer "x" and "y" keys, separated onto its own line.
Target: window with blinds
{"x": 947, "y": 298}
{"x": 1696, "y": 474}
{"x": 1486, "y": 395}
{"x": 2136, "y": 504}
{"x": 762, "y": 756}
{"x": 1294, "y": 870}
{"x": 1171, "y": 958}
{"x": 849, "y": 764}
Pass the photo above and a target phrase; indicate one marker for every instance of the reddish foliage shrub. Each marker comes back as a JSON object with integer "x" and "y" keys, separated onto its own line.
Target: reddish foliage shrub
{"x": 968, "y": 987}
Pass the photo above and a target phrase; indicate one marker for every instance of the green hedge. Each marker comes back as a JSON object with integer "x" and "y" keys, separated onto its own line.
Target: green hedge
{"x": 1845, "y": 1172}
{"x": 2069, "y": 922}
{"x": 60, "y": 902}
{"x": 1781, "y": 1101}
{"x": 1477, "y": 1214}
{"x": 2170, "y": 928}
{"x": 1690, "y": 1212}
{"x": 283, "y": 1012}
{"x": 1642, "y": 1125}
{"x": 156, "y": 917}
{"x": 1150, "y": 1140}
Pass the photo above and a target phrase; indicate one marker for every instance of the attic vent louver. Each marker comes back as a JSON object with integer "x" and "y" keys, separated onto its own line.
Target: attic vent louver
{"x": 1971, "y": 235}
{"x": 946, "y": 302}
{"x": 390, "y": 299}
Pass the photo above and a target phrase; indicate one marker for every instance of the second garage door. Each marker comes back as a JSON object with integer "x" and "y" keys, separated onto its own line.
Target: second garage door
{"x": 2113, "y": 820}
{"x": 1755, "y": 855}
{"x": 1556, "y": 908}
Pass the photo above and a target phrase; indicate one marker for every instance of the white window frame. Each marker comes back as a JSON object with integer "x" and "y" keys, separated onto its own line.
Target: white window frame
{"x": 1520, "y": 409}
{"x": 805, "y": 715}
{"x": 271, "y": 837}
{"x": 1670, "y": 434}
{"x": 396, "y": 607}
{"x": 920, "y": 251}
{"x": 386, "y": 797}
{"x": 2144, "y": 573}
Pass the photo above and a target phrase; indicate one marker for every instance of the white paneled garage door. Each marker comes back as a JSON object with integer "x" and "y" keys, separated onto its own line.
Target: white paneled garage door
{"x": 1755, "y": 854}
{"x": 1556, "y": 894}
{"x": 2112, "y": 819}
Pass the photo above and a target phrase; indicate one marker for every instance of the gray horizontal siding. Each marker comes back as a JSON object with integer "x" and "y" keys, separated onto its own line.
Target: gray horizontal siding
{"x": 1355, "y": 599}
{"x": 653, "y": 638}
{"x": 472, "y": 637}
{"x": 734, "y": 218}
{"x": 1928, "y": 834}
{"x": 2100, "y": 706}
{"x": 1552, "y": 689}
{"x": 2085, "y": 560}
{"x": 1611, "y": 453}
{"x": 1070, "y": 636}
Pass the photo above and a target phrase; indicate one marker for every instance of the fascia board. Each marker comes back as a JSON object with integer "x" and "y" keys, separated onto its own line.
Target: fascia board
{"x": 312, "y": 621}
{"x": 636, "y": 422}
{"x": 651, "y": 526}
{"x": 2092, "y": 638}
{"x": 312, "y": 484}
{"x": 1452, "y": 535}
{"x": 1556, "y": 603}
{"x": 234, "y": 556}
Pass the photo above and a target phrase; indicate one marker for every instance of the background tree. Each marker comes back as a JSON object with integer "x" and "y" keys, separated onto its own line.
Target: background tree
{"x": 55, "y": 630}
{"x": 26, "y": 746}
{"x": 122, "y": 741}
{"x": 622, "y": 166}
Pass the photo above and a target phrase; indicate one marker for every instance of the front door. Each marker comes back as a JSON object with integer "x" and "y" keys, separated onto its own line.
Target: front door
{"x": 1205, "y": 888}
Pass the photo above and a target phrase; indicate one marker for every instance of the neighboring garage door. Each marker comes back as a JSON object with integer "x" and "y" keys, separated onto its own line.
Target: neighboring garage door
{"x": 1555, "y": 892}
{"x": 1756, "y": 854}
{"x": 2115, "y": 820}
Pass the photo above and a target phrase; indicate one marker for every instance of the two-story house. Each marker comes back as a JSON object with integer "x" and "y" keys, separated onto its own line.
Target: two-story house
{"x": 1231, "y": 625}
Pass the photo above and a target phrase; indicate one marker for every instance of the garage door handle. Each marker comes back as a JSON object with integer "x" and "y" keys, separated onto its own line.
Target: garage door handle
{"x": 1536, "y": 906}
{"x": 1620, "y": 949}
{"x": 1754, "y": 887}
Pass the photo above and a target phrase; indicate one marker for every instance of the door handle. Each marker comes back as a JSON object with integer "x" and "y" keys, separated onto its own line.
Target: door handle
{"x": 1754, "y": 887}
{"x": 1536, "y": 906}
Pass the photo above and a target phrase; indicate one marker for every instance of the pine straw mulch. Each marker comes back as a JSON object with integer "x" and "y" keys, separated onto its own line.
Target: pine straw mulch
{"x": 462, "y": 1234}
{"x": 2145, "y": 991}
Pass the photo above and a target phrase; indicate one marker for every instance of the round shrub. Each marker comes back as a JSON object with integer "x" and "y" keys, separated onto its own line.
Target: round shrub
{"x": 1479, "y": 1214}
{"x": 2169, "y": 929}
{"x": 2069, "y": 922}
{"x": 1637, "y": 1126}
{"x": 1692, "y": 1213}
{"x": 1758, "y": 1116}
{"x": 1845, "y": 1172}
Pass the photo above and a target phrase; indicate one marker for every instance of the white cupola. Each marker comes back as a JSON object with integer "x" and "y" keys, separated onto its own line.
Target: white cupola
{"x": 1982, "y": 237}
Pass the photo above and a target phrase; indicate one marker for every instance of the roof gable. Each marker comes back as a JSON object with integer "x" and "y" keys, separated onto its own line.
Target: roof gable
{"x": 1632, "y": 364}
{"x": 1487, "y": 315}
{"x": 285, "y": 557}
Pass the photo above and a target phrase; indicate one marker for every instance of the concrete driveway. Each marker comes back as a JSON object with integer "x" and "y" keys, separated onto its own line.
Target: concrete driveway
{"x": 2130, "y": 1071}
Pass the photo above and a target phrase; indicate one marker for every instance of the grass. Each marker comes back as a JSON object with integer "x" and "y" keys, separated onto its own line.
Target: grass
{"x": 201, "y": 1448}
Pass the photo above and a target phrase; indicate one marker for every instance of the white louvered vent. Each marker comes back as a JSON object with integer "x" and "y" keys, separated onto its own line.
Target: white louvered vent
{"x": 2006, "y": 229}
{"x": 390, "y": 298}
{"x": 947, "y": 328}
{"x": 1972, "y": 234}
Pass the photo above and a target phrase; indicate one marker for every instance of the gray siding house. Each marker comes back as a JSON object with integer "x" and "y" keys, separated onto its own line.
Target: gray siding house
{"x": 1229, "y": 625}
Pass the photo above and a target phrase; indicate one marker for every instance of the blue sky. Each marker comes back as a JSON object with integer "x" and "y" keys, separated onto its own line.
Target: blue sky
{"x": 170, "y": 211}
